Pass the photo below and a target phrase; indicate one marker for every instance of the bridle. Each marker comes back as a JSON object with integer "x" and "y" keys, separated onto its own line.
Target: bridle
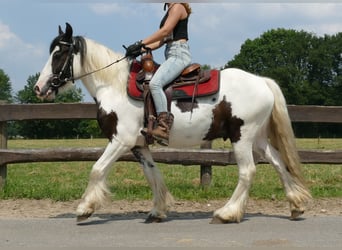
{"x": 59, "y": 80}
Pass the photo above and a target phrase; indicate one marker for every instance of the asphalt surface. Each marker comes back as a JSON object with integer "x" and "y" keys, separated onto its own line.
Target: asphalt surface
{"x": 184, "y": 230}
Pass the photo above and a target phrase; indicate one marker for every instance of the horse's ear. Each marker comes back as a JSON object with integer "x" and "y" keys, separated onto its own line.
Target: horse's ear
{"x": 68, "y": 31}
{"x": 60, "y": 31}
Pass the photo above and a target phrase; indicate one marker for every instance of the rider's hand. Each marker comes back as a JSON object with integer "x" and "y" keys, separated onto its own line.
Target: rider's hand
{"x": 134, "y": 50}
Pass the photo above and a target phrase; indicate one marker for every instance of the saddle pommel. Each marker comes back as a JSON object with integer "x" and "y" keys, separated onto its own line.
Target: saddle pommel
{"x": 147, "y": 62}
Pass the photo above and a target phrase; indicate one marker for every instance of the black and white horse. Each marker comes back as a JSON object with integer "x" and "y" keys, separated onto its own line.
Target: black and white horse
{"x": 249, "y": 110}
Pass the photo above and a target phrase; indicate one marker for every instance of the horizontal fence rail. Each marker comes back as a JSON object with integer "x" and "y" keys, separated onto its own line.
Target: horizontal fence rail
{"x": 204, "y": 156}
{"x": 18, "y": 112}
{"x": 168, "y": 155}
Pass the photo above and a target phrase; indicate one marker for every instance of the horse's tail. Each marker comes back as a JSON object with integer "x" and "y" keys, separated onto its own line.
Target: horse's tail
{"x": 282, "y": 137}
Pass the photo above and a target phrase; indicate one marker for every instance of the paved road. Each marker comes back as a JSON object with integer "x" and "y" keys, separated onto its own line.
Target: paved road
{"x": 182, "y": 231}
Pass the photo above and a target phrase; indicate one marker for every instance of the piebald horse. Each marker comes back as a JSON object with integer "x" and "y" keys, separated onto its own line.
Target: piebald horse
{"x": 249, "y": 110}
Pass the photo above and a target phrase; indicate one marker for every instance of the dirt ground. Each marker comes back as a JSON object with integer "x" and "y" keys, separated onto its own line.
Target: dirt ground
{"x": 46, "y": 208}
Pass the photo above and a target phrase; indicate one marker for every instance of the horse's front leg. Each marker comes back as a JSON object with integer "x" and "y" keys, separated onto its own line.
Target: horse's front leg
{"x": 97, "y": 192}
{"x": 162, "y": 199}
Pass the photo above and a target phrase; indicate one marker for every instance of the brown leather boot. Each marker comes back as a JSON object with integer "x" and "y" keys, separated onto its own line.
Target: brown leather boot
{"x": 162, "y": 131}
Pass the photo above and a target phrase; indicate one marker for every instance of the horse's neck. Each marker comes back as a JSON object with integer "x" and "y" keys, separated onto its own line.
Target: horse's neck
{"x": 112, "y": 79}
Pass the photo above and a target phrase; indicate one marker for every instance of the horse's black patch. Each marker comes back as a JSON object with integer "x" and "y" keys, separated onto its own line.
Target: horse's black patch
{"x": 140, "y": 157}
{"x": 288, "y": 169}
{"x": 79, "y": 43}
{"x": 107, "y": 122}
{"x": 224, "y": 125}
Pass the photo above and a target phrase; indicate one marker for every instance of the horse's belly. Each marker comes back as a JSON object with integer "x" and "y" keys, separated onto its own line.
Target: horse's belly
{"x": 189, "y": 130}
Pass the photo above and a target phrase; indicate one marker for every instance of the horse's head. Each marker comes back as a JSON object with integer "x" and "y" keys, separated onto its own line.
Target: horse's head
{"x": 58, "y": 71}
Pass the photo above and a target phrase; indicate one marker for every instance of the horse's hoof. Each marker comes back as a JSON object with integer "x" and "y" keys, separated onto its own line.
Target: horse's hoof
{"x": 153, "y": 219}
{"x": 296, "y": 213}
{"x": 218, "y": 220}
{"x": 83, "y": 217}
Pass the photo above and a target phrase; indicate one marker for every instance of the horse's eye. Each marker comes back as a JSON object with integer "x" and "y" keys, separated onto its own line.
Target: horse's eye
{"x": 57, "y": 55}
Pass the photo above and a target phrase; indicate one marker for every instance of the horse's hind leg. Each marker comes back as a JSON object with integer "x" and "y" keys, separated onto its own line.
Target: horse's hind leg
{"x": 162, "y": 199}
{"x": 295, "y": 193}
{"x": 234, "y": 209}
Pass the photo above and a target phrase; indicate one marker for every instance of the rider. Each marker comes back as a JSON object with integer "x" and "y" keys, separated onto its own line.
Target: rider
{"x": 173, "y": 32}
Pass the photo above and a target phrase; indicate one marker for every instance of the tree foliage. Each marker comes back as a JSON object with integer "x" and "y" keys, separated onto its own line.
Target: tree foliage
{"x": 307, "y": 68}
{"x": 5, "y": 87}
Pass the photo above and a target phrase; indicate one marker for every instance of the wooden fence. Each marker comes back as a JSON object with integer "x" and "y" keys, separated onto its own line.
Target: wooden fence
{"x": 205, "y": 157}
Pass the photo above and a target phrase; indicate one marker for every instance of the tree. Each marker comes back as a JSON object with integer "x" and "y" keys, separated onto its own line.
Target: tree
{"x": 282, "y": 55}
{"x": 89, "y": 128}
{"x": 326, "y": 69}
{"x": 307, "y": 68}
{"x": 5, "y": 87}
{"x": 27, "y": 95}
{"x": 205, "y": 67}
{"x": 336, "y": 88}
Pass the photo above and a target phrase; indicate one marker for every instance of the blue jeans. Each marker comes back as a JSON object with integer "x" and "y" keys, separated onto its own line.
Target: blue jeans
{"x": 177, "y": 55}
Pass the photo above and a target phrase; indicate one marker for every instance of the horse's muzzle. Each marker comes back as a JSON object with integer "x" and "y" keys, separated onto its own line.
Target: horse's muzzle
{"x": 44, "y": 91}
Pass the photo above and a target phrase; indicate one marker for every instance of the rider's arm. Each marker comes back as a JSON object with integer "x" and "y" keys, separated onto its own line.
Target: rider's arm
{"x": 175, "y": 14}
{"x": 155, "y": 45}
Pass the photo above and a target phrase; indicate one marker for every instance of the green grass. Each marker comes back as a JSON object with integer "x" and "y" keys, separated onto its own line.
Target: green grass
{"x": 62, "y": 181}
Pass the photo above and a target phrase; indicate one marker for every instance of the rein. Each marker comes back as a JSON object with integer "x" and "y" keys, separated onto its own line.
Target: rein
{"x": 97, "y": 70}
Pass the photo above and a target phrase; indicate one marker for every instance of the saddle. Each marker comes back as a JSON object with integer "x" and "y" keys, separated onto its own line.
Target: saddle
{"x": 192, "y": 83}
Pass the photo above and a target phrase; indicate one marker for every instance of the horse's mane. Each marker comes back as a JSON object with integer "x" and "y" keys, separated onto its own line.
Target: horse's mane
{"x": 96, "y": 56}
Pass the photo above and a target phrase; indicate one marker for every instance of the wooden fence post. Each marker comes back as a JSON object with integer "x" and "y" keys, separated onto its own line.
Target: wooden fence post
{"x": 3, "y": 145}
{"x": 206, "y": 169}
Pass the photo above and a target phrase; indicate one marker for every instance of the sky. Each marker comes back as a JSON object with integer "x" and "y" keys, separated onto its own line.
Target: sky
{"x": 217, "y": 29}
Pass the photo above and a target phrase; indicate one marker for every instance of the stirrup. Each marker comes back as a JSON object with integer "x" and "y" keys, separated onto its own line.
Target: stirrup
{"x": 161, "y": 141}
{"x": 151, "y": 138}
{"x": 148, "y": 137}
